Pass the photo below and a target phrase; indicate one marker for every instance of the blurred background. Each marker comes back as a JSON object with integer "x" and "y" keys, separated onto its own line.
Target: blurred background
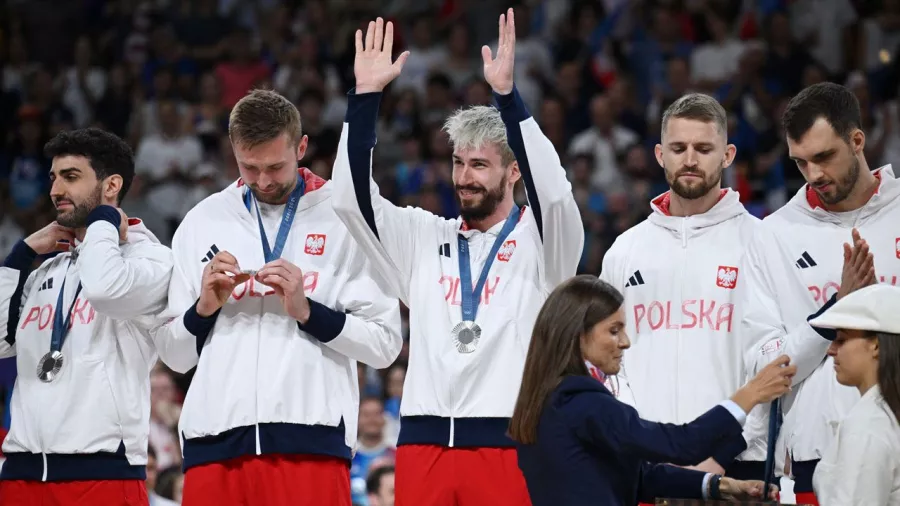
{"x": 596, "y": 74}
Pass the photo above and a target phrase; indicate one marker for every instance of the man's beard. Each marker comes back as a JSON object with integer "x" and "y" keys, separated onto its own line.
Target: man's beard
{"x": 276, "y": 198}
{"x": 842, "y": 187}
{"x": 490, "y": 199}
{"x": 697, "y": 190}
{"x": 77, "y": 216}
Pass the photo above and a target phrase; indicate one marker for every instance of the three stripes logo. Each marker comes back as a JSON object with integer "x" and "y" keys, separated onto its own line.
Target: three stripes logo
{"x": 46, "y": 285}
{"x": 213, "y": 250}
{"x": 444, "y": 250}
{"x": 805, "y": 261}
{"x": 635, "y": 279}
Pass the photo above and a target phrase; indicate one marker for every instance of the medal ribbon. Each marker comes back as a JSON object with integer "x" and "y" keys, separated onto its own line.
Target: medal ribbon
{"x": 469, "y": 300}
{"x": 287, "y": 219}
{"x": 774, "y": 429}
{"x": 61, "y": 327}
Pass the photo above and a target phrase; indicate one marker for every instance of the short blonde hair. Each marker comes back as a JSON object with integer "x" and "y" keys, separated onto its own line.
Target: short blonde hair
{"x": 478, "y": 126}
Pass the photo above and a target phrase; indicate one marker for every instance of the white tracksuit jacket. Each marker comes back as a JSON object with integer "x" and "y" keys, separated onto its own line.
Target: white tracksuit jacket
{"x": 679, "y": 277}
{"x": 92, "y": 422}
{"x": 264, "y": 383}
{"x": 452, "y": 398}
{"x": 795, "y": 272}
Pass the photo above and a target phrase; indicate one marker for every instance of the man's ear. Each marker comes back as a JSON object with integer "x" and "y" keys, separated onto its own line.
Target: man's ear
{"x": 111, "y": 187}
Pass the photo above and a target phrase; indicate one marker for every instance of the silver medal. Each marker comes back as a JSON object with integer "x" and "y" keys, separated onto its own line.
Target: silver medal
{"x": 49, "y": 366}
{"x": 465, "y": 336}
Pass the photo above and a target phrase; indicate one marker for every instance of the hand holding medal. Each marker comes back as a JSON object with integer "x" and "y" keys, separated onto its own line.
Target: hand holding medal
{"x": 287, "y": 281}
{"x": 220, "y": 276}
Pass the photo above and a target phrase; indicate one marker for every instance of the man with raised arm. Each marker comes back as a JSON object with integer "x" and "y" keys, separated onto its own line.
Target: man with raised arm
{"x": 473, "y": 284}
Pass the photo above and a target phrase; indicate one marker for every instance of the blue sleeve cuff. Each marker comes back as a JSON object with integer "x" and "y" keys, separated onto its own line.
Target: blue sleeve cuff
{"x": 512, "y": 108}
{"x": 199, "y": 326}
{"x": 829, "y": 334}
{"x": 324, "y": 323}
{"x": 21, "y": 257}
{"x": 105, "y": 213}
{"x": 362, "y": 114}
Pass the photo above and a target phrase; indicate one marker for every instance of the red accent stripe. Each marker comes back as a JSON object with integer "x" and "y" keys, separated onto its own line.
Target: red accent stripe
{"x": 313, "y": 182}
{"x": 664, "y": 200}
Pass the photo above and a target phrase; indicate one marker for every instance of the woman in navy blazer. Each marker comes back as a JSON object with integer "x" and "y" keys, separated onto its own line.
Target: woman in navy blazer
{"x": 578, "y": 445}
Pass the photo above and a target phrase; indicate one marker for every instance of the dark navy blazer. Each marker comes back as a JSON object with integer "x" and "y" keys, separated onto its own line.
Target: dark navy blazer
{"x": 593, "y": 449}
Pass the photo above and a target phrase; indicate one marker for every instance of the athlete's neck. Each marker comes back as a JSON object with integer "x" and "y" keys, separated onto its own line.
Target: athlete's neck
{"x": 499, "y": 214}
{"x": 79, "y": 233}
{"x": 862, "y": 191}
{"x": 680, "y": 206}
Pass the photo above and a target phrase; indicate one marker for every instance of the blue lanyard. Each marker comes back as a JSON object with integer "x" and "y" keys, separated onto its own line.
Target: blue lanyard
{"x": 774, "y": 429}
{"x": 470, "y": 299}
{"x": 61, "y": 326}
{"x": 287, "y": 219}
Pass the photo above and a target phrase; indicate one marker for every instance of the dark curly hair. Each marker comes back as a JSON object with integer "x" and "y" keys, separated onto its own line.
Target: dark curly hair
{"x": 106, "y": 152}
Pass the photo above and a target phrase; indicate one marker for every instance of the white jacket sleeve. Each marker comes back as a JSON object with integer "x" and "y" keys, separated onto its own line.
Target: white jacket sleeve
{"x": 549, "y": 191}
{"x": 181, "y": 332}
{"x": 388, "y": 234}
{"x": 776, "y": 309}
{"x": 16, "y": 279}
{"x": 365, "y": 324}
{"x": 122, "y": 282}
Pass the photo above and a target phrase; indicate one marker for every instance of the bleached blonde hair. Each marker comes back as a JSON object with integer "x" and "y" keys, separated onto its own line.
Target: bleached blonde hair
{"x": 478, "y": 126}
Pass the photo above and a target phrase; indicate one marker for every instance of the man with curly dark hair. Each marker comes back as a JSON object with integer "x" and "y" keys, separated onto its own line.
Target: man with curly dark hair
{"x": 79, "y": 328}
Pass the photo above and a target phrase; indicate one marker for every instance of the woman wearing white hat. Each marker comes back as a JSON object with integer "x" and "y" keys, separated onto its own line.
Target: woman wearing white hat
{"x": 862, "y": 465}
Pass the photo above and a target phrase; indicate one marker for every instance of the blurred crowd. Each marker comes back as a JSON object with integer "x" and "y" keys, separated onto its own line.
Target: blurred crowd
{"x": 596, "y": 74}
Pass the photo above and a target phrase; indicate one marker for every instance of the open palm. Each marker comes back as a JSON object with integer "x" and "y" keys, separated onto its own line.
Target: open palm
{"x": 498, "y": 72}
{"x": 372, "y": 66}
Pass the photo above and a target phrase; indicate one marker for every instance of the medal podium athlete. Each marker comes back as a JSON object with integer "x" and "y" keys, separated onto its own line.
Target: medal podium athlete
{"x": 473, "y": 285}
{"x": 274, "y": 305}
{"x": 79, "y": 326}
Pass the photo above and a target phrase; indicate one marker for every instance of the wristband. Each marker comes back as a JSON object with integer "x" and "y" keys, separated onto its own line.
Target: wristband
{"x": 714, "y": 493}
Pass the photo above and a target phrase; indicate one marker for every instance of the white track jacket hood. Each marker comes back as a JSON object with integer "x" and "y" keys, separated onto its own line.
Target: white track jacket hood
{"x": 679, "y": 276}
{"x": 92, "y": 421}
{"x": 794, "y": 273}
{"x": 265, "y": 383}
{"x": 457, "y": 395}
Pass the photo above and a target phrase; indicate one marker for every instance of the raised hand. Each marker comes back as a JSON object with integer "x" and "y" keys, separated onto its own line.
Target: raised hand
{"x": 859, "y": 266}
{"x": 220, "y": 276}
{"x": 498, "y": 72}
{"x": 372, "y": 66}
{"x": 287, "y": 281}
{"x": 53, "y": 237}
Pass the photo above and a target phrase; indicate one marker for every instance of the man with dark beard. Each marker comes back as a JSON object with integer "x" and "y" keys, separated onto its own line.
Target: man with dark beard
{"x": 473, "y": 284}
{"x": 678, "y": 271}
{"x": 830, "y": 239}
{"x": 79, "y": 328}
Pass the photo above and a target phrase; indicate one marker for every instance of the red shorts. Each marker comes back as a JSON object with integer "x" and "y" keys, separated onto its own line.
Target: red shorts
{"x": 269, "y": 480}
{"x": 806, "y": 498}
{"x": 73, "y": 493}
{"x": 438, "y": 476}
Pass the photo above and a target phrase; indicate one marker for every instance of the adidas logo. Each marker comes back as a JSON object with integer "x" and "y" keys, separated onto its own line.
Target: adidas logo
{"x": 46, "y": 285}
{"x": 635, "y": 279}
{"x": 444, "y": 250}
{"x": 213, "y": 250}
{"x": 805, "y": 261}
